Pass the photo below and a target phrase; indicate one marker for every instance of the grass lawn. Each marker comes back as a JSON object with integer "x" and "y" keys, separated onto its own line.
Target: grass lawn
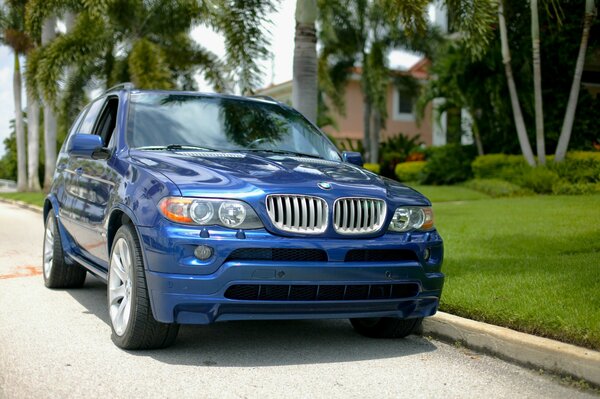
{"x": 30, "y": 198}
{"x": 529, "y": 263}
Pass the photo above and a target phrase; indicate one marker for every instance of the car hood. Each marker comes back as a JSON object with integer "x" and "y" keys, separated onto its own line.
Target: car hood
{"x": 241, "y": 175}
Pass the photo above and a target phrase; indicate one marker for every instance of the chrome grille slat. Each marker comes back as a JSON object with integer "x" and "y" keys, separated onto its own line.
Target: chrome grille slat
{"x": 298, "y": 213}
{"x": 358, "y": 215}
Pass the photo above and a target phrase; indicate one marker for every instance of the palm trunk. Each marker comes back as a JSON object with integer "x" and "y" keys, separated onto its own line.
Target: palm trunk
{"x": 374, "y": 146}
{"x": 19, "y": 128}
{"x": 304, "y": 85}
{"x": 477, "y": 136}
{"x": 567, "y": 127}
{"x": 48, "y": 33}
{"x": 33, "y": 142}
{"x": 514, "y": 99}
{"x": 367, "y": 128}
{"x": 537, "y": 85}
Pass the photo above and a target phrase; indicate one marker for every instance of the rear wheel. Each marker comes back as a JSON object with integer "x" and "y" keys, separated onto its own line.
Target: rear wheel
{"x": 58, "y": 274}
{"x": 132, "y": 323}
{"x": 386, "y": 327}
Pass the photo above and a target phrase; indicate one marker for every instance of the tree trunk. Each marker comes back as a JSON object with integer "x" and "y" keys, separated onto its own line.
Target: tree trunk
{"x": 367, "y": 128}
{"x": 33, "y": 142}
{"x": 537, "y": 84}
{"x": 304, "y": 85}
{"x": 19, "y": 128}
{"x": 48, "y": 34}
{"x": 453, "y": 126}
{"x": 375, "y": 133}
{"x": 477, "y": 136}
{"x": 567, "y": 127}
{"x": 514, "y": 99}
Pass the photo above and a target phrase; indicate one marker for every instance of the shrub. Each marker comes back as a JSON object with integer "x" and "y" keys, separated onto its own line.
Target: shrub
{"x": 563, "y": 187}
{"x": 579, "y": 167}
{"x": 539, "y": 179}
{"x": 373, "y": 167}
{"x": 409, "y": 171}
{"x": 497, "y": 188}
{"x": 389, "y": 160}
{"x": 498, "y": 166}
{"x": 448, "y": 164}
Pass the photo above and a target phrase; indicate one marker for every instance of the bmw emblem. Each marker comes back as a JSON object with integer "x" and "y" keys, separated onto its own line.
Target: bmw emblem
{"x": 324, "y": 185}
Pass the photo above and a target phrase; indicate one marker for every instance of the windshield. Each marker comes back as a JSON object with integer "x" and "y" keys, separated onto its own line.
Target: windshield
{"x": 160, "y": 120}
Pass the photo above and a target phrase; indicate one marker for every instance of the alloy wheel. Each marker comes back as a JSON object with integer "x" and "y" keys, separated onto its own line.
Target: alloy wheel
{"x": 120, "y": 286}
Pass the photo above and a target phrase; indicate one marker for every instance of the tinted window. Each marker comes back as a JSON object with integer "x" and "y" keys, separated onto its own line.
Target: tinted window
{"x": 158, "y": 119}
{"x": 90, "y": 118}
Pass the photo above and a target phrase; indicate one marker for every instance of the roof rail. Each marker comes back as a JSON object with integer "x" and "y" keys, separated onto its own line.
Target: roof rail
{"x": 124, "y": 86}
{"x": 261, "y": 96}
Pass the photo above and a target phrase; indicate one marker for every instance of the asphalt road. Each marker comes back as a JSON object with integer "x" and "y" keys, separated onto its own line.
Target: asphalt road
{"x": 56, "y": 344}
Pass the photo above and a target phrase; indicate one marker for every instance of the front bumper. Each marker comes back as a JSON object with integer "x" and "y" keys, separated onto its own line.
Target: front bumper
{"x": 188, "y": 291}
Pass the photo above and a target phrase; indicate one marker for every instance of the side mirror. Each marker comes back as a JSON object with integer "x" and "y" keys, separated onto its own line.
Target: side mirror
{"x": 87, "y": 146}
{"x": 353, "y": 157}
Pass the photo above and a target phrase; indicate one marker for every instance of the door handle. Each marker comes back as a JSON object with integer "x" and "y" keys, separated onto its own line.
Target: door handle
{"x": 79, "y": 171}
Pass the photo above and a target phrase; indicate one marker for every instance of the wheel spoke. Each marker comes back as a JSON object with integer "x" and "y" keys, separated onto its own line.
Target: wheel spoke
{"x": 117, "y": 293}
{"x": 117, "y": 266}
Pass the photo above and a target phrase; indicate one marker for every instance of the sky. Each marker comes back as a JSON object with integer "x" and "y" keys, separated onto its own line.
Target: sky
{"x": 277, "y": 70}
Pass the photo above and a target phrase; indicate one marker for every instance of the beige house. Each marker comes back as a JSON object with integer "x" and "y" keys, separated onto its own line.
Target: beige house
{"x": 400, "y": 109}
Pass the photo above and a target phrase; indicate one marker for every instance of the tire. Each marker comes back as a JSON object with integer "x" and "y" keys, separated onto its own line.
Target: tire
{"x": 386, "y": 327}
{"x": 131, "y": 320}
{"x": 57, "y": 273}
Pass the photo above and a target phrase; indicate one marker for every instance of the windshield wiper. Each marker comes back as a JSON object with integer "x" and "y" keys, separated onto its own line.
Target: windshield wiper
{"x": 172, "y": 147}
{"x": 283, "y": 152}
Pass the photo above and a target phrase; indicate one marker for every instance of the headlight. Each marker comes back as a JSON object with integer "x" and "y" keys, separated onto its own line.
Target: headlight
{"x": 209, "y": 211}
{"x": 408, "y": 218}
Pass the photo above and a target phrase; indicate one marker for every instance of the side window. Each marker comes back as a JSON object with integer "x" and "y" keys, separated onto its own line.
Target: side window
{"x": 88, "y": 123}
{"x": 108, "y": 120}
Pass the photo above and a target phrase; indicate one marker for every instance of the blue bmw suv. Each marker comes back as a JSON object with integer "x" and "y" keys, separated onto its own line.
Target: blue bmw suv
{"x": 197, "y": 208}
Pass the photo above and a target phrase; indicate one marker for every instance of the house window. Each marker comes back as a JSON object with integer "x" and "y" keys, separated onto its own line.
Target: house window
{"x": 404, "y": 103}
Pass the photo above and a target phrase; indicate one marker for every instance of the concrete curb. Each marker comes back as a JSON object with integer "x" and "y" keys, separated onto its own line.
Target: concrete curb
{"x": 22, "y": 204}
{"x": 518, "y": 347}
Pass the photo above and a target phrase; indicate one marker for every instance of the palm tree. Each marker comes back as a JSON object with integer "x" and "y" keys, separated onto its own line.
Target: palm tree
{"x": 537, "y": 84}
{"x": 148, "y": 43}
{"x": 48, "y": 34}
{"x": 360, "y": 33}
{"x": 304, "y": 84}
{"x": 33, "y": 142}
{"x": 12, "y": 23}
{"x": 516, "y": 107}
{"x": 565, "y": 133}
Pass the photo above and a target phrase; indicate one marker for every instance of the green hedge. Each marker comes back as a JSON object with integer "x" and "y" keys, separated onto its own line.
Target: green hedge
{"x": 449, "y": 164}
{"x": 409, "y": 171}
{"x": 578, "y": 173}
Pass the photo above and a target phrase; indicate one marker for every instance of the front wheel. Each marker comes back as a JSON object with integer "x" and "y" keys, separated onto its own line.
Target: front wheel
{"x": 131, "y": 320}
{"x": 386, "y": 327}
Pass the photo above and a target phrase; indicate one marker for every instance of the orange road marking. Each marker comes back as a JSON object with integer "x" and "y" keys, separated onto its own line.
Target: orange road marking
{"x": 23, "y": 271}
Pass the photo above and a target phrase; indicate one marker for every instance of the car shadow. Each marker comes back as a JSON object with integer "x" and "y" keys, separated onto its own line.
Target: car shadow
{"x": 262, "y": 343}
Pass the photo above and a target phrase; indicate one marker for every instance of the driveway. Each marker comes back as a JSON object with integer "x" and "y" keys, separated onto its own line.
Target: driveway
{"x": 56, "y": 344}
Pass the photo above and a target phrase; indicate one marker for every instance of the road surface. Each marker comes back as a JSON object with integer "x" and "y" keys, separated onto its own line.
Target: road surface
{"x": 56, "y": 344}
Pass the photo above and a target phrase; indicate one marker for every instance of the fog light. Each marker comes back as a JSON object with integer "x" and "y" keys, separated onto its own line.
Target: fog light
{"x": 426, "y": 254}
{"x": 203, "y": 252}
